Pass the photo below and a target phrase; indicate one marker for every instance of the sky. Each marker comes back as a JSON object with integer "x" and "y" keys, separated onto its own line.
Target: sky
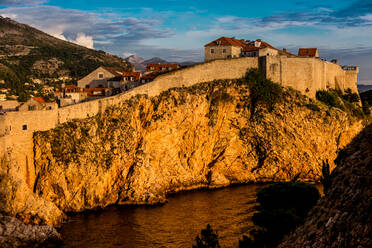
{"x": 177, "y": 30}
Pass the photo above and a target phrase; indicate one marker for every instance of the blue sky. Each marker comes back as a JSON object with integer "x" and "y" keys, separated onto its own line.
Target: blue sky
{"x": 176, "y": 30}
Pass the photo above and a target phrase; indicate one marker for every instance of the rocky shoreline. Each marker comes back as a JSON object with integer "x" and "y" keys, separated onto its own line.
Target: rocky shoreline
{"x": 14, "y": 233}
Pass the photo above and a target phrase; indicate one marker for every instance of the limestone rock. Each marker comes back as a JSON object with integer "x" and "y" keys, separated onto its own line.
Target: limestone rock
{"x": 185, "y": 138}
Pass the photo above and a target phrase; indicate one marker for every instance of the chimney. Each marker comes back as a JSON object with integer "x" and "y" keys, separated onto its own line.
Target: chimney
{"x": 259, "y": 40}
{"x": 285, "y": 50}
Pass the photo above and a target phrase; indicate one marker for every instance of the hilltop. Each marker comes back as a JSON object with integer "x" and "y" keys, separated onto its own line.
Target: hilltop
{"x": 30, "y": 55}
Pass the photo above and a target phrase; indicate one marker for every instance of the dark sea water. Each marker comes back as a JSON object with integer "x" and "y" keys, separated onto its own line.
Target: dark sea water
{"x": 175, "y": 224}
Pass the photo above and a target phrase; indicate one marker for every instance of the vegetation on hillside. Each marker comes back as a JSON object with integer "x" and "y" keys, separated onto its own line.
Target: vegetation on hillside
{"x": 366, "y": 98}
{"x": 27, "y": 54}
{"x": 346, "y": 101}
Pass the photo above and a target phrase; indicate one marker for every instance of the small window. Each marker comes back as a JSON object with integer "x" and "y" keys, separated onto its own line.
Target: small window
{"x": 164, "y": 68}
{"x": 87, "y": 86}
{"x": 224, "y": 51}
{"x": 152, "y": 68}
{"x": 132, "y": 78}
{"x": 212, "y": 50}
{"x": 100, "y": 75}
{"x": 31, "y": 107}
{"x": 24, "y": 127}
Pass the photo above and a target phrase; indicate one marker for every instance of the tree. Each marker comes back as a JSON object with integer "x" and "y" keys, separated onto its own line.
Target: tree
{"x": 207, "y": 239}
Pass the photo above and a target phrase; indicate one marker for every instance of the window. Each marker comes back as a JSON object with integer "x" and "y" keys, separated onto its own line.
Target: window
{"x": 152, "y": 68}
{"x": 87, "y": 86}
{"x": 224, "y": 51}
{"x": 212, "y": 50}
{"x": 100, "y": 75}
{"x": 131, "y": 78}
{"x": 24, "y": 127}
{"x": 164, "y": 68}
{"x": 31, "y": 107}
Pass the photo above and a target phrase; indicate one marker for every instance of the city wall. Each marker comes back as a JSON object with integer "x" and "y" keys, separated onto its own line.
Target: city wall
{"x": 304, "y": 74}
{"x": 309, "y": 75}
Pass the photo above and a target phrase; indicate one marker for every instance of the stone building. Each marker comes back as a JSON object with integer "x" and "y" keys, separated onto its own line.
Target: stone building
{"x": 37, "y": 103}
{"x": 69, "y": 95}
{"x": 100, "y": 77}
{"x": 158, "y": 68}
{"x": 225, "y": 48}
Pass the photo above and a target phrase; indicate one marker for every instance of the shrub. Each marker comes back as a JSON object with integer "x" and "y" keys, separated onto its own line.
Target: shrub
{"x": 313, "y": 107}
{"x": 350, "y": 96}
{"x": 262, "y": 91}
{"x": 208, "y": 239}
{"x": 330, "y": 98}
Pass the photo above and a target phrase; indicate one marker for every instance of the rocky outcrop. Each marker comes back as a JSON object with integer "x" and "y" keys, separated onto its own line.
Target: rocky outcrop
{"x": 201, "y": 136}
{"x": 14, "y": 233}
{"x": 343, "y": 218}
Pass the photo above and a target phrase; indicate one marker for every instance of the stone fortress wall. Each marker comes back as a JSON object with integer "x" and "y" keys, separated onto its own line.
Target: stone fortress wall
{"x": 304, "y": 74}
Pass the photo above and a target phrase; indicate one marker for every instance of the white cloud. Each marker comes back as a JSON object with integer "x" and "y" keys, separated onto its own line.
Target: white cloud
{"x": 126, "y": 55}
{"x": 84, "y": 40}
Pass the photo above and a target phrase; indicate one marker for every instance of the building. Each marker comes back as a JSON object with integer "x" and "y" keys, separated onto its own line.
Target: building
{"x": 37, "y": 103}
{"x": 100, "y": 77}
{"x": 308, "y": 52}
{"x": 8, "y": 105}
{"x": 69, "y": 95}
{"x": 225, "y": 48}
{"x": 130, "y": 80}
{"x": 159, "y": 68}
{"x": 147, "y": 78}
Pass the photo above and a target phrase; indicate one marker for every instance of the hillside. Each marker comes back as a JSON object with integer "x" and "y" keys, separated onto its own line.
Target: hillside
{"x": 27, "y": 53}
{"x": 344, "y": 217}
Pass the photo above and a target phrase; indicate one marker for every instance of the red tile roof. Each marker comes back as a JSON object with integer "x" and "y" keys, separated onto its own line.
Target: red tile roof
{"x": 38, "y": 99}
{"x": 136, "y": 75}
{"x": 158, "y": 67}
{"x": 226, "y": 41}
{"x": 247, "y": 47}
{"x": 307, "y": 52}
{"x": 252, "y": 47}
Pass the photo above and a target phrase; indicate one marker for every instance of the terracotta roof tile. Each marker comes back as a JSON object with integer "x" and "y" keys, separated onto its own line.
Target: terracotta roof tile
{"x": 307, "y": 52}
{"x": 159, "y": 67}
{"x": 38, "y": 99}
{"x": 136, "y": 75}
{"x": 226, "y": 41}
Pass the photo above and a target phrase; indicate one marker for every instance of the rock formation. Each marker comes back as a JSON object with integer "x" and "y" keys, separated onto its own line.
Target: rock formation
{"x": 202, "y": 136}
{"x": 139, "y": 151}
{"x": 343, "y": 218}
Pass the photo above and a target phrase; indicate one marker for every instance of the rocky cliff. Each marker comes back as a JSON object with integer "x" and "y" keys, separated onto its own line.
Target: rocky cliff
{"x": 343, "y": 218}
{"x": 201, "y": 136}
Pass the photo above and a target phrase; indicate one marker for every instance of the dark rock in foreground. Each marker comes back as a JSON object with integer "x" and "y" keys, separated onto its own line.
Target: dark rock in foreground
{"x": 344, "y": 217}
{"x": 14, "y": 233}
